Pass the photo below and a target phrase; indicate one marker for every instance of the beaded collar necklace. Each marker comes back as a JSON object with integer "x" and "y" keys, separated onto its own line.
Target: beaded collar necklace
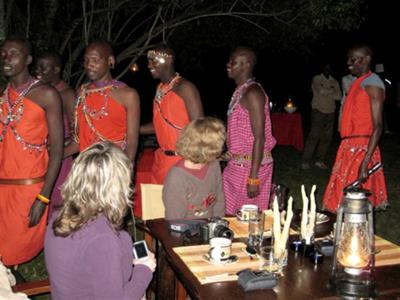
{"x": 103, "y": 88}
{"x": 237, "y": 95}
{"x": 15, "y": 111}
{"x": 165, "y": 88}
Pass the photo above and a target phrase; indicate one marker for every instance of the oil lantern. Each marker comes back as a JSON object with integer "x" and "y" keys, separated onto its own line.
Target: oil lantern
{"x": 352, "y": 273}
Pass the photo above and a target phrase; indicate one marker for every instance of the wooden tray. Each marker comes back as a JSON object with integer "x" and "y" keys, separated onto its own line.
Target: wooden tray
{"x": 388, "y": 253}
{"x": 241, "y": 229}
{"x": 206, "y": 272}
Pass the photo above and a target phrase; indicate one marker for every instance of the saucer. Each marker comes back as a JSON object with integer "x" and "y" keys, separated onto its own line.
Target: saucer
{"x": 321, "y": 218}
{"x": 230, "y": 260}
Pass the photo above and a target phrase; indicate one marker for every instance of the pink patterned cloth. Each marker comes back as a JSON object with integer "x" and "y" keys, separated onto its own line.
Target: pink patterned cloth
{"x": 240, "y": 142}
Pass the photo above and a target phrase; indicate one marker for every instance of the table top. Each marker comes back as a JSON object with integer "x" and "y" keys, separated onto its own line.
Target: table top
{"x": 301, "y": 280}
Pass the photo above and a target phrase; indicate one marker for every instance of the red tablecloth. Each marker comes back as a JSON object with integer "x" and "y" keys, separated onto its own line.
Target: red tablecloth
{"x": 143, "y": 175}
{"x": 288, "y": 129}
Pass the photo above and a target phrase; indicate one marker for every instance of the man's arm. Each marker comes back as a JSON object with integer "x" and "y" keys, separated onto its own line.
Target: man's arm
{"x": 130, "y": 99}
{"x": 336, "y": 92}
{"x": 49, "y": 99}
{"x": 191, "y": 97}
{"x": 147, "y": 128}
{"x": 376, "y": 96}
{"x": 68, "y": 99}
{"x": 254, "y": 102}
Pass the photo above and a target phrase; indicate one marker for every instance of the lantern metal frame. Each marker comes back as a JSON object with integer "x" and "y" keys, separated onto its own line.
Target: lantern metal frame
{"x": 348, "y": 282}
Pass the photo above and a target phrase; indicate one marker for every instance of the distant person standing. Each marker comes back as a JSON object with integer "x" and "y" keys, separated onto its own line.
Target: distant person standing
{"x": 360, "y": 130}
{"x": 48, "y": 70}
{"x": 176, "y": 103}
{"x": 326, "y": 91}
{"x": 247, "y": 177}
{"x": 347, "y": 81}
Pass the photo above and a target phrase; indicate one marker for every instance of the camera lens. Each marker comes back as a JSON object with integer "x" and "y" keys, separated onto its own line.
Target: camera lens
{"x": 223, "y": 231}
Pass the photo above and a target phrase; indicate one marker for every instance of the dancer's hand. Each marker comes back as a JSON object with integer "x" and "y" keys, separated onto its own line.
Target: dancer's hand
{"x": 36, "y": 212}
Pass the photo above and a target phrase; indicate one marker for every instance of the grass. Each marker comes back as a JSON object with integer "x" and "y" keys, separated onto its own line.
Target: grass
{"x": 288, "y": 172}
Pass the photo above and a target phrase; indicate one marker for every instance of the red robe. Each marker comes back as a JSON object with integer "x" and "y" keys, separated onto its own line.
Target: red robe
{"x": 171, "y": 109}
{"x": 18, "y": 242}
{"x": 355, "y": 129}
{"x": 111, "y": 126}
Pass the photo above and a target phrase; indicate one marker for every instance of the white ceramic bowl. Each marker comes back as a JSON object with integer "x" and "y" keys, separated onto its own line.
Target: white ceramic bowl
{"x": 290, "y": 109}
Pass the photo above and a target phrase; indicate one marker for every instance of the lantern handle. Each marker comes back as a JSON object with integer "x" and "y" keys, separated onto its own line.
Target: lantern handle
{"x": 355, "y": 183}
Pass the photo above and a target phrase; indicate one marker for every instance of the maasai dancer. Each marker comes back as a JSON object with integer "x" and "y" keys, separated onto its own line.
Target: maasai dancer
{"x": 360, "y": 130}
{"x": 48, "y": 70}
{"x": 30, "y": 115}
{"x": 177, "y": 102}
{"x": 106, "y": 109}
{"x": 247, "y": 177}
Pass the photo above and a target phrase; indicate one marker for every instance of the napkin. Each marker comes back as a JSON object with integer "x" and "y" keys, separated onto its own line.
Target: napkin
{"x": 281, "y": 237}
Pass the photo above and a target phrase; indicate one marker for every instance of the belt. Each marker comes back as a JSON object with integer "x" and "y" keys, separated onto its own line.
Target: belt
{"x": 27, "y": 181}
{"x": 170, "y": 152}
{"x": 248, "y": 156}
{"x": 355, "y": 136}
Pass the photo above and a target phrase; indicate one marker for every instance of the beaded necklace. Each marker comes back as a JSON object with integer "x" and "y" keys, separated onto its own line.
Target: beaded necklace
{"x": 162, "y": 90}
{"x": 102, "y": 88}
{"x": 237, "y": 95}
{"x": 15, "y": 111}
{"x": 165, "y": 88}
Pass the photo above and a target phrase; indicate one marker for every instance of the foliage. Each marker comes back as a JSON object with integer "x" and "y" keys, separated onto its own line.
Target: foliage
{"x": 134, "y": 26}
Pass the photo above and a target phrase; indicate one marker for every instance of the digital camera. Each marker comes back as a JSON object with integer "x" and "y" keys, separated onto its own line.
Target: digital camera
{"x": 216, "y": 227}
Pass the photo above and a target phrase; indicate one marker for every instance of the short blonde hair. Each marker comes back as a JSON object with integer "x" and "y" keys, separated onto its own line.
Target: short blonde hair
{"x": 202, "y": 140}
{"x": 98, "y": 184}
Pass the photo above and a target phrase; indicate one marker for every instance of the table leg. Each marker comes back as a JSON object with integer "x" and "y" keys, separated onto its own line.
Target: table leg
{"x": 180, "y": 291}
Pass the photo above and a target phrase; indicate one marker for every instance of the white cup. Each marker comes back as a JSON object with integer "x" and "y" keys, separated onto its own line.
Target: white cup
{"x": 220, "y": 249}
{"x": 247, "y": 212}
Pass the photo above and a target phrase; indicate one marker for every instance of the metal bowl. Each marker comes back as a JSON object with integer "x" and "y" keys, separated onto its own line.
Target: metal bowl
{"x": 290, "y": 109}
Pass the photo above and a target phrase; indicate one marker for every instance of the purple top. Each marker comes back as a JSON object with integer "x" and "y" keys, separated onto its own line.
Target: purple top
{"x": 94, "y": 263}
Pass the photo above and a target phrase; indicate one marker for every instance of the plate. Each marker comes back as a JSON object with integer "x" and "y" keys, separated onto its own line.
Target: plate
{"x": 230, "y": 260}
{"x": 321, "y": 218}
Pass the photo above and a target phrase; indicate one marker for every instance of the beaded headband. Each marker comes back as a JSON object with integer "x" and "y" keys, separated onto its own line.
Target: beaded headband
{"x": 159, "y": 56}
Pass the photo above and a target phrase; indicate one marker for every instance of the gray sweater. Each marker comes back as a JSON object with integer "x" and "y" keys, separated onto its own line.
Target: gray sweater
{"x": 187, "y": 196}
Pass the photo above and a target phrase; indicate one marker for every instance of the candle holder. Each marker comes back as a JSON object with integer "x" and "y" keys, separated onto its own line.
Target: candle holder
{"x": 352, "y": 272}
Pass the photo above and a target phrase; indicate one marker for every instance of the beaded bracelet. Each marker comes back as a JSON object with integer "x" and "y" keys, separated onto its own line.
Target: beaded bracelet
{"x": 43, "y": 199}
{"x": 253, "y": 181}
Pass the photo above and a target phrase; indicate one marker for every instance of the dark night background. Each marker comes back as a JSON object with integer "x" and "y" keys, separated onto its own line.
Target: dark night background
{"x": 287, "y": 73}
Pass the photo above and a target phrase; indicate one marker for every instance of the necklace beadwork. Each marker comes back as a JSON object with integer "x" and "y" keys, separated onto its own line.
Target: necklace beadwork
{"x": 14, "y": 112}
{"x": 164, "y": 88}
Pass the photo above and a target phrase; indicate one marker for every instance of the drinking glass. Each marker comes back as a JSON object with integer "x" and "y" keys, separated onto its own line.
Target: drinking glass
{"x": 256, "y": 229}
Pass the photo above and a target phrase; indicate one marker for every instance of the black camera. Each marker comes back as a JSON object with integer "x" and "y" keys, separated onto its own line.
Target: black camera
{"x": 216, "y": 227}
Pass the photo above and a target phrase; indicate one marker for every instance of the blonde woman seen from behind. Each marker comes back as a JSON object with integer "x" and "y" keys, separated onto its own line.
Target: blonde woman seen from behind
{"x": 193, "y": 186}
{"x": 87, "y": 252}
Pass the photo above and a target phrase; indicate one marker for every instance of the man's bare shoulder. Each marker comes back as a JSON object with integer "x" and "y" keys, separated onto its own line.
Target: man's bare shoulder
{"x": 185, "y": 85}
{"x": 43, "y": 94}
{"x": 254, "y": 92}
{"x": 125, "y": 94}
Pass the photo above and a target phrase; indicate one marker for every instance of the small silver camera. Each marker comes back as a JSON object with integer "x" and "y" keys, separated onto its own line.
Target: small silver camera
{"x": 216, "y": 227}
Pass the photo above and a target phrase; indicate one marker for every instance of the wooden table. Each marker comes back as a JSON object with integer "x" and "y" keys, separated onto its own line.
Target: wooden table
{"x": 301, "y": 280}
{"x": 288, "y": 129}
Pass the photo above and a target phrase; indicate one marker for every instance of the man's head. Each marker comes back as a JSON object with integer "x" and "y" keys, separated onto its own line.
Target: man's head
{"x": 241, "y": 62}
{"x": 160, "y": 60}
{"x": 326, "y": 70}
{"x": 98, "y": 60}
{"x": 15, "y": 56}
{"x": 48, "y": 67}
{"x": 359, "y": 59}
